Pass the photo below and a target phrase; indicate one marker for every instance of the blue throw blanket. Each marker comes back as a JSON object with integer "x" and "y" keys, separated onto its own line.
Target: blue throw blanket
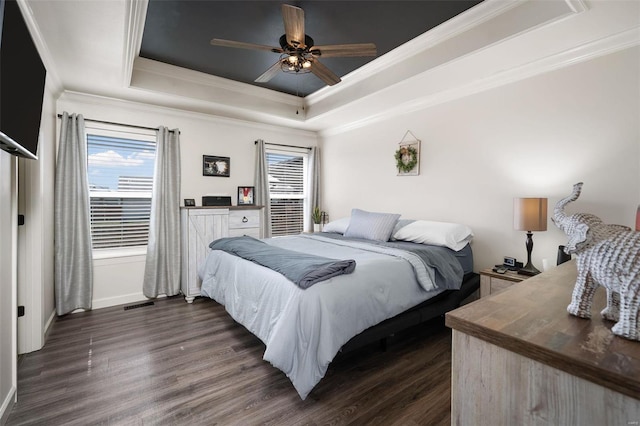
{"x": 303, "y": 269}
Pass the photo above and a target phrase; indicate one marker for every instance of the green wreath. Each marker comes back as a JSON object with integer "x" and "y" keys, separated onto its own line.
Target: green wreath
{"x": 409, "y": 165}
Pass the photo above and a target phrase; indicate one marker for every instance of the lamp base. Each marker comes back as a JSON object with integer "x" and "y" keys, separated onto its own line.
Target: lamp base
{"x": 529, "y": 270}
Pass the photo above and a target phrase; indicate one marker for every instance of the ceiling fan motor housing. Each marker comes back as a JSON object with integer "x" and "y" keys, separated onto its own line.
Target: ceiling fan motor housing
{"x": 308, "y": 44}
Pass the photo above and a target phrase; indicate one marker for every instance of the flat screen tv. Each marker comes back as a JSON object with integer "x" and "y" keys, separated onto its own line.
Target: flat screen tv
{"x": 22, "y": 80}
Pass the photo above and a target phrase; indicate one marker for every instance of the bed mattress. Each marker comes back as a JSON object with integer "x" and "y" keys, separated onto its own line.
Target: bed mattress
{"x": 303, "y": 329}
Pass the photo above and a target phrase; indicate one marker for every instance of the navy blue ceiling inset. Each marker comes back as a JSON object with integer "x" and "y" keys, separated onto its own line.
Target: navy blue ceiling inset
{"x": 178, "y": 32}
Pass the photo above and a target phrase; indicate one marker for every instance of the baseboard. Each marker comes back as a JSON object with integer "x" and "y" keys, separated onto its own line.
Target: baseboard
{"x": 7, "y": 405}
{"x": 107, "y": 302}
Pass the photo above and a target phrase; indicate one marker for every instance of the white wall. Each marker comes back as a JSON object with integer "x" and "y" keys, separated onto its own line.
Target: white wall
{"x": 36, "y": 183}
{"x": 533, "y": 138}
{"x": 8, "y": 279}
{"x": 118, "y": 280}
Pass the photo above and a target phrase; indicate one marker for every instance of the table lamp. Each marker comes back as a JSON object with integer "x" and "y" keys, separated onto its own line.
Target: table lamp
{"x": 529, "y": 214}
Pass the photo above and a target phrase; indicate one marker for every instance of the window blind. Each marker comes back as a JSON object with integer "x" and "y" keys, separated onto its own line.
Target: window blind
{"x": 120, "y": 173}
{"x": 287, "y": 192}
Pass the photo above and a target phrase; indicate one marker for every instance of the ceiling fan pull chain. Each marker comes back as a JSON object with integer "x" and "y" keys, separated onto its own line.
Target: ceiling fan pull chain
{"x": 302, "y": 98}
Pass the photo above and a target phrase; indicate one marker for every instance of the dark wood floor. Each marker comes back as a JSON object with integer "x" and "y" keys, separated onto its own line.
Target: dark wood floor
{"x": 176, "y": 363}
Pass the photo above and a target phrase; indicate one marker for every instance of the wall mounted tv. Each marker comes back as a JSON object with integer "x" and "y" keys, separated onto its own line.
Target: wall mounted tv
{"x": 22, "y": 79}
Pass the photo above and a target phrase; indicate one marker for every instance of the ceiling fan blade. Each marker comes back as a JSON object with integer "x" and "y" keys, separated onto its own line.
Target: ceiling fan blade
{"x": 293, "y": 18}
{"x": 333, "y": 50}
{"x": 270, "y": 73}
{"x": 324, "y": 73}
{"x": 243, "y": 45}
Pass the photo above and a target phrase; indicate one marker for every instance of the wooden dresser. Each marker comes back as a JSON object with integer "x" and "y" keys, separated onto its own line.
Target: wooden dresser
{"x": 519, "y": 358}
{"x": 200, "y": 226}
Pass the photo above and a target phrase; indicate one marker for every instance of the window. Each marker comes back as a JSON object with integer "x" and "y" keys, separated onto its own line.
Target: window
{"x": 287, "y": 190}
{"x": 120, "y": 172}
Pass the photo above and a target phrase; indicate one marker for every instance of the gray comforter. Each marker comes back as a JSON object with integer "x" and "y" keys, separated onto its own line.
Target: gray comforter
{"x": 447, "y": 272}
{"x": 303, "y": 329}
{"x": 303, "y": 269}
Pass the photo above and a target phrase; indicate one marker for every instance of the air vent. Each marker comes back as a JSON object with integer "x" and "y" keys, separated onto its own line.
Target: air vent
{"x": 139, "y": 305}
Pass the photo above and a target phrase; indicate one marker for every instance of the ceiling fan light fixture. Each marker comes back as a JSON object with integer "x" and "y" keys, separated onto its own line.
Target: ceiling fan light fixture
{"x": 295, "y": 62}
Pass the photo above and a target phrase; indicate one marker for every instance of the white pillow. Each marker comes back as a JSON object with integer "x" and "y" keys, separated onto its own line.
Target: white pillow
{"x": 339, "y": 225}
{"x": 370, "y": 225}
{"x": 452, "y": 235}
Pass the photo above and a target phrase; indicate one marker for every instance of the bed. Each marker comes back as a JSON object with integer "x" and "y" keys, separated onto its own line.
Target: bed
{"x": 395, "y": 283}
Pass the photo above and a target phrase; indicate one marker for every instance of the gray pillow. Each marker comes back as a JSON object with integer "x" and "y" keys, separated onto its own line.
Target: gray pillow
{"x": 338, "y": 226}
{"x": 370, "y": 225}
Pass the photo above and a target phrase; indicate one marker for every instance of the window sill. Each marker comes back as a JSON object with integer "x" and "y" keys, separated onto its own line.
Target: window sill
{"x": 119, "y": 252}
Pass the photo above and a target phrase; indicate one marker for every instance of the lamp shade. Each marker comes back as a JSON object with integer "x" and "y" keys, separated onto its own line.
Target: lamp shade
{"x": 530, "y": 214}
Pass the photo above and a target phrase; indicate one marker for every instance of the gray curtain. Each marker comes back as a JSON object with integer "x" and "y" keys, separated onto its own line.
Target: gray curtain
{"x": 72, "y": 220}
{"x": 162, "y": 268}
{"x": 262, "y": 187}
{"x": 313, "y": 180}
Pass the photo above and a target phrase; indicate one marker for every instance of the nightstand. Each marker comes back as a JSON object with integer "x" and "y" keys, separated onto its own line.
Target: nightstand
{"x": 492, "y": 282}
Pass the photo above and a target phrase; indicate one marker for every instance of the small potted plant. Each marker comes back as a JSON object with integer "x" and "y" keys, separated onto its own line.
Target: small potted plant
{"x": 316, "y": 216}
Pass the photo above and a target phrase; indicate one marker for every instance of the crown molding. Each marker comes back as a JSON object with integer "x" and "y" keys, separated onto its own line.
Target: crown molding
{"x": 577, "y": 6}
{"x": 211, "y": 81}
{"x": 135, "y": 16}
{"x": 223, "y": 96}
{"x": 457, "y": 25}
{"x": 471, "y": 38}
{"x": 123, "y": 104}
{"x": 443, "y": 44}
{"x": 206, "y": 93}
{"x": 585, "y": 52}
{"x": 447, "y": 43}
{"x": 229, "y": 92}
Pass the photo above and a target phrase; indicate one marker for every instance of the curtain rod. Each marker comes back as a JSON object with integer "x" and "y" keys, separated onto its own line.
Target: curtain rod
{"x": 288, "y": 146}
{"x": 120, "y": 124}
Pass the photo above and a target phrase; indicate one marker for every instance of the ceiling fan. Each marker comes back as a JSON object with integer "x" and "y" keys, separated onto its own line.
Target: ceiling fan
{"x": 298, "y": 54}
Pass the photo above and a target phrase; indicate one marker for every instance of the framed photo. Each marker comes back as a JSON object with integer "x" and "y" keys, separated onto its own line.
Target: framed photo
{"x": 216, "y": 166}
{"x": 245, "y": 196}
{"x": 189, "y": 202}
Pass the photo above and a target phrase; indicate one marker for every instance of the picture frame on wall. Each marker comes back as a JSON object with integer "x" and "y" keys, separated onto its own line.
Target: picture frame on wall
{"x": 246, "y": 196}
{"x": 213, "y": 165}
{"x": 189, "y": 202}
{"x": 407, "y": 155}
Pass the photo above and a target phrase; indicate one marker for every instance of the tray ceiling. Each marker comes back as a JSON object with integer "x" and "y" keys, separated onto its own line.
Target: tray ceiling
{"x": 179, "y": 33}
